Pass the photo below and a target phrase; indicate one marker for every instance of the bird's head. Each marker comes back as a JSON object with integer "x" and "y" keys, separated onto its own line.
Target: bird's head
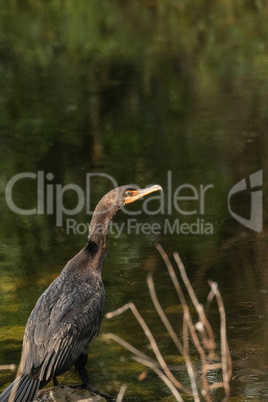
{"x": 130, "y": 194}
{"x": 121, "y": 196}
{"x": 111, "y": 204}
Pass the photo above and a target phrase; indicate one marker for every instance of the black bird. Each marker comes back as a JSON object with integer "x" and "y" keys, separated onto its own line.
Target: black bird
{"x": 69, "y": 313}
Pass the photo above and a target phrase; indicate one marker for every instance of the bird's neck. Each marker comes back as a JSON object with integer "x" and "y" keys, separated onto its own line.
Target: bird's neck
{"x": 98, "y": 233}
{"x": 98, "y": 228}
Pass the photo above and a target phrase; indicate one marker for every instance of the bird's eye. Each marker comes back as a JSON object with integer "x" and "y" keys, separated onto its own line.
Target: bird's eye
{"x": 128, "y": 193}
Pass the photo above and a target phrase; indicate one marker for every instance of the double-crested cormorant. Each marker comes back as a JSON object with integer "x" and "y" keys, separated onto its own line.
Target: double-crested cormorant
{"x": 69, "y": 313}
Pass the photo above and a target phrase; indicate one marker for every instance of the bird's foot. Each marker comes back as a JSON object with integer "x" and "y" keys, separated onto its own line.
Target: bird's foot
{"x": 78, "y": 386}
{"x": 56, "y": 383}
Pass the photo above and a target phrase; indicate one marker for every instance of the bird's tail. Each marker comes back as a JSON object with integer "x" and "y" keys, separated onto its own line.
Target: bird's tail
{"x": 23, "y": 389}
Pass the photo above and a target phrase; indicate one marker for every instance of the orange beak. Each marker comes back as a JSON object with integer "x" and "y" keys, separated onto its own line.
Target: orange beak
{"x": 135, "y": 195}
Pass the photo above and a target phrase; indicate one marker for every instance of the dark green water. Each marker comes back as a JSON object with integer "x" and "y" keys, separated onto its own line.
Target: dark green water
{"x": 145, "y": 92}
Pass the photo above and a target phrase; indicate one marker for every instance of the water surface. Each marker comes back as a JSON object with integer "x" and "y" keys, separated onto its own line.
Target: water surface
{"x": 135, "y": 96}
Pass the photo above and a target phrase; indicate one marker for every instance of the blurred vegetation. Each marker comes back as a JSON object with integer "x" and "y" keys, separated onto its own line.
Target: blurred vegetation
{"x": 156, "y": 53}
{"x": 192, "y": 34}
{"x": 115, "y": 85}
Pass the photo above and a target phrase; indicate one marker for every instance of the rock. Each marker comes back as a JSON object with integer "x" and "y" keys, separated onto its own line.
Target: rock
{"x": 67, "y": 394}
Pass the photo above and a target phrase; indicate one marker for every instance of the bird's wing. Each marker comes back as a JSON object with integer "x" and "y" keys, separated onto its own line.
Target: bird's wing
{"x": 59, "y": 328}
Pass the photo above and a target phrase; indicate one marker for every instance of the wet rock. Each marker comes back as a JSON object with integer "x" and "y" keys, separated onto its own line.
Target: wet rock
{"x": 67, "y": 394}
